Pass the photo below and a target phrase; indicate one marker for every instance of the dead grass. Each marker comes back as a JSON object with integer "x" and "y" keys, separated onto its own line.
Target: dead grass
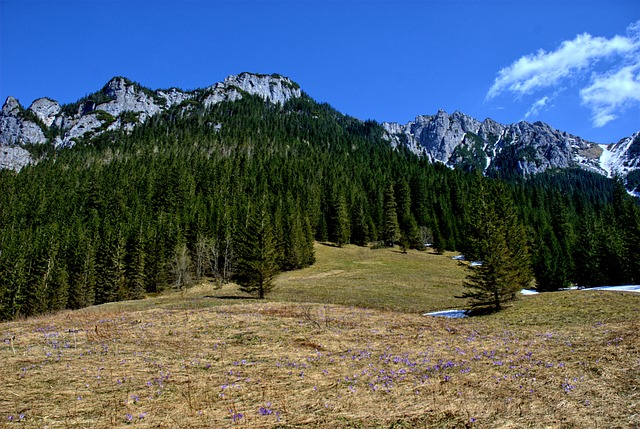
{"x": 188, "y": 360}
{"x": 384, "y": 279}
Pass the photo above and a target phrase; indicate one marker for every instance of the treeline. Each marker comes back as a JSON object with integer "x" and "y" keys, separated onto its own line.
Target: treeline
{"x": 127, "y": 214}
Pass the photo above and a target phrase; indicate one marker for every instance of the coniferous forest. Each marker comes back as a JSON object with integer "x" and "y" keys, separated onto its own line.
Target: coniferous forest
{"x": 240, "y": 191}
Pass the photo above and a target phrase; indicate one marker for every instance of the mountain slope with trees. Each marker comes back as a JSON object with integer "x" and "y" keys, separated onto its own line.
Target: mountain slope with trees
{"x": 134, "y": 210}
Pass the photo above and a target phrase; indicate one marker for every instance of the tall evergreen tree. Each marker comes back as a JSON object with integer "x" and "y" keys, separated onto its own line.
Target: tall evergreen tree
{"x": 406, "y": 220}
{"x": 82, "y": 274}
{"x": 340, "y": 222}
{"x": 391, "y": 228}
{"x": 256, "y": 254}
{"x": 499, "y": 241}
{"x": 627, "y": 219}
{"x": 360, "y": 224}
{"x": 551, "y": 267}
{"x": 588, "y": 271}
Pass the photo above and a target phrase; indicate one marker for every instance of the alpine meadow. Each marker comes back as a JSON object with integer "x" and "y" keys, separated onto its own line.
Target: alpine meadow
{"x": 242, "y": 255}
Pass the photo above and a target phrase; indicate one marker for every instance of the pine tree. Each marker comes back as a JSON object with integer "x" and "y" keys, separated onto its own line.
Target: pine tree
{"x": 111, "y": 268}
{"x": 499, "y": 240}
{"x": 340, "y": 223}
{"x": 406, "y": 220}
{"x": 135, "y": 266}
{"x": 439, "y": 244}
{"x": 551, "y": 266}
{"x": 256, "y": 254}
{"x": 360, "y": 226}
{"x": 391, "y": 228}
{"x": 83, "y": 284}
{"x": 626, "y": 217}
{"x": 588, "y": 272}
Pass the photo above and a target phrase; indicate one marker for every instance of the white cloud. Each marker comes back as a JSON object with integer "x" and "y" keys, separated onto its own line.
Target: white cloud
{"x": 611, "y": 93}
{"x": 607, "y": 93}
{"x": 537, "y": 106}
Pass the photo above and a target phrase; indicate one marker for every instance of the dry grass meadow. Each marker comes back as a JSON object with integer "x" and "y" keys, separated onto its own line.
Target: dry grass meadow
{"x": 341, "y": 344}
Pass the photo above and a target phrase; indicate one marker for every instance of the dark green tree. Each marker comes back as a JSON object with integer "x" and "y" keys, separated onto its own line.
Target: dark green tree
{"x": 406, "y": 220}
{"x": 588, "y": 272}
{"x": 391, "y": 228}
{"x": 499, "y": 242}
{"x": 551, "y": 267}
{"x": 256, "y": 254}
{"x": 340, "y": 230}
{"x": 626, "y": 216}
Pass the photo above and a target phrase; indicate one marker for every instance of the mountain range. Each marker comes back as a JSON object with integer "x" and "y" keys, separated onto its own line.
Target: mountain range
{"x": 456, "y": 139}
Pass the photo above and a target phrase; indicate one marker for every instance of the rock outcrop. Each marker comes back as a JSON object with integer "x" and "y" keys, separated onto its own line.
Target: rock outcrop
{"x": 120, "y": 104}
{"x": 457, "y": 140}
{"x": 46, "y": 110}
{"x": 274, "y": 88}
{"x": 16, "y": 128}
{"x": 524, "y": 148}
{"x": 14, "y": 158}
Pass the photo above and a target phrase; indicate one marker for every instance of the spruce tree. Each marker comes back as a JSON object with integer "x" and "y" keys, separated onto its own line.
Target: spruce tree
{"x": 406, "y": 220}
{"x": 626, "y": 217}
{"x": 588, "y": 272}
{"x": 340, "y": 222}
{"x": 391, "y": 227}
{"x": 550, "y": 267}
{"x": 256, "y": 254}
{"x": 499, "y": 241}
{"x": 360, "y": 226}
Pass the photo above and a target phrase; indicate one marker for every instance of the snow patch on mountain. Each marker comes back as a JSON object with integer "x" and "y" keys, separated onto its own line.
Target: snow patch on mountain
{"x": 622, "y": 157}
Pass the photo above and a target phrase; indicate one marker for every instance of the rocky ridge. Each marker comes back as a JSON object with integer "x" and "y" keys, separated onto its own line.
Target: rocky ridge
{"x": 120, "y": 104}
{"x": 458, "y": 140}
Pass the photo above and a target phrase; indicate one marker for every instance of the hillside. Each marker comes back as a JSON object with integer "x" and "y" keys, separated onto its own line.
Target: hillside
{"x": 210, "y": 357}
{"x": 157, "y": 198}
{"x": 456, "y": 140}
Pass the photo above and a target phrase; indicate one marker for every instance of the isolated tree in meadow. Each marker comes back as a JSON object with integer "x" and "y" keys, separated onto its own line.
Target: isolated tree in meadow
{"x": 499, "y": 241}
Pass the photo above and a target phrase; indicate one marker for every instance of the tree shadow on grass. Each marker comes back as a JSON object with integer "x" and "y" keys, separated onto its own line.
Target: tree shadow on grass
{"x": 330, "y": 245}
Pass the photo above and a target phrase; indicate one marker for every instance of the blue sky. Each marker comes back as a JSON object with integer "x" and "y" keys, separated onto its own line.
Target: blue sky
{"x": 572, "y": 64}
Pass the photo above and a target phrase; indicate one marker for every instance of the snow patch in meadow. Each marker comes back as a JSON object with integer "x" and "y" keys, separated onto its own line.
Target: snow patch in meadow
{"x": 624, "y": 288}
{"x": 451, "y": 314}
{"x": 458, "y": 314}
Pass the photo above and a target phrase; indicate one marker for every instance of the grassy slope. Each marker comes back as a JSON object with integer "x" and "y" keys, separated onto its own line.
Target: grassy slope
{"x": 300, "y": 359}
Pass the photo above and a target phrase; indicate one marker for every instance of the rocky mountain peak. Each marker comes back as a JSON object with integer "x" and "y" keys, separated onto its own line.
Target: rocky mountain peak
{"x": 435, "y": 136}
{"x": 120, "y": 90}
{"x": 128, "y": 97}
{"x": 11, "y": 106}
{"x": 46, "y": 110}
{"x": 461, "y": 140}
{"x": 454, "y": 139}
{"x": 274, "y": 88}
{"x": 103, "y": 110}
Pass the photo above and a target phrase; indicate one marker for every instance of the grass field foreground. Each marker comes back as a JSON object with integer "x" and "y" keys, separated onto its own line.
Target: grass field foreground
{"x": 198, "y": 359}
